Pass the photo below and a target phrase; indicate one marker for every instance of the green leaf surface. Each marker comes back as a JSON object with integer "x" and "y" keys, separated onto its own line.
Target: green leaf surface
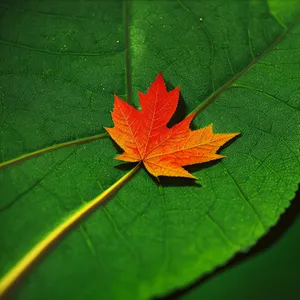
{"x": 237, "y": 63}
{"x": 269, "y": 274}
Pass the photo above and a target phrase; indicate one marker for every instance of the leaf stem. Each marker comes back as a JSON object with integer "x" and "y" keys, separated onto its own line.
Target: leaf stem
{"x": 23, "y": 265}
{"x": 51, "y": 148}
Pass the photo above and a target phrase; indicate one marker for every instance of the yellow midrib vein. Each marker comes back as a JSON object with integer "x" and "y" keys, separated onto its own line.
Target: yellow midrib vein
{"x": 14, "y": 274}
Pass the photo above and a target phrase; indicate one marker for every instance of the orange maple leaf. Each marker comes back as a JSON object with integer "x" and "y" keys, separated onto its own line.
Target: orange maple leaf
{"x": 144, "y": 135}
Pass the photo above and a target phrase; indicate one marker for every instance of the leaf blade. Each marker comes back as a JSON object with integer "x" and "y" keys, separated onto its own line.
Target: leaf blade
{"x": 188, "y": 213}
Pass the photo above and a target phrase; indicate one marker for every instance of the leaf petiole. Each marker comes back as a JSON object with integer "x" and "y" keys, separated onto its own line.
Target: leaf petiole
{"x": 25, "y": 263}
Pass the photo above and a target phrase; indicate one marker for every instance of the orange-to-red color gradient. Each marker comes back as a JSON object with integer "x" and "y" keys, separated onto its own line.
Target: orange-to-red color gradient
{"x": 144, "y": 135}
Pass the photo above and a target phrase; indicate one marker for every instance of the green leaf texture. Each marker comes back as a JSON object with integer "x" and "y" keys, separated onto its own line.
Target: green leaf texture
{"x": 237, "y": 63}
{"x": 270, "y": 274}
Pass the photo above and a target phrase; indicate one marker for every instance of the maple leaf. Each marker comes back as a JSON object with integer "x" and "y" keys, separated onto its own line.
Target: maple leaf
{"x": 144, "y": 135}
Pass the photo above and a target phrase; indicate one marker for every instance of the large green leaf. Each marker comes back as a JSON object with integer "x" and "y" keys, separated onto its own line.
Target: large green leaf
{"x": 61, "y": 61}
